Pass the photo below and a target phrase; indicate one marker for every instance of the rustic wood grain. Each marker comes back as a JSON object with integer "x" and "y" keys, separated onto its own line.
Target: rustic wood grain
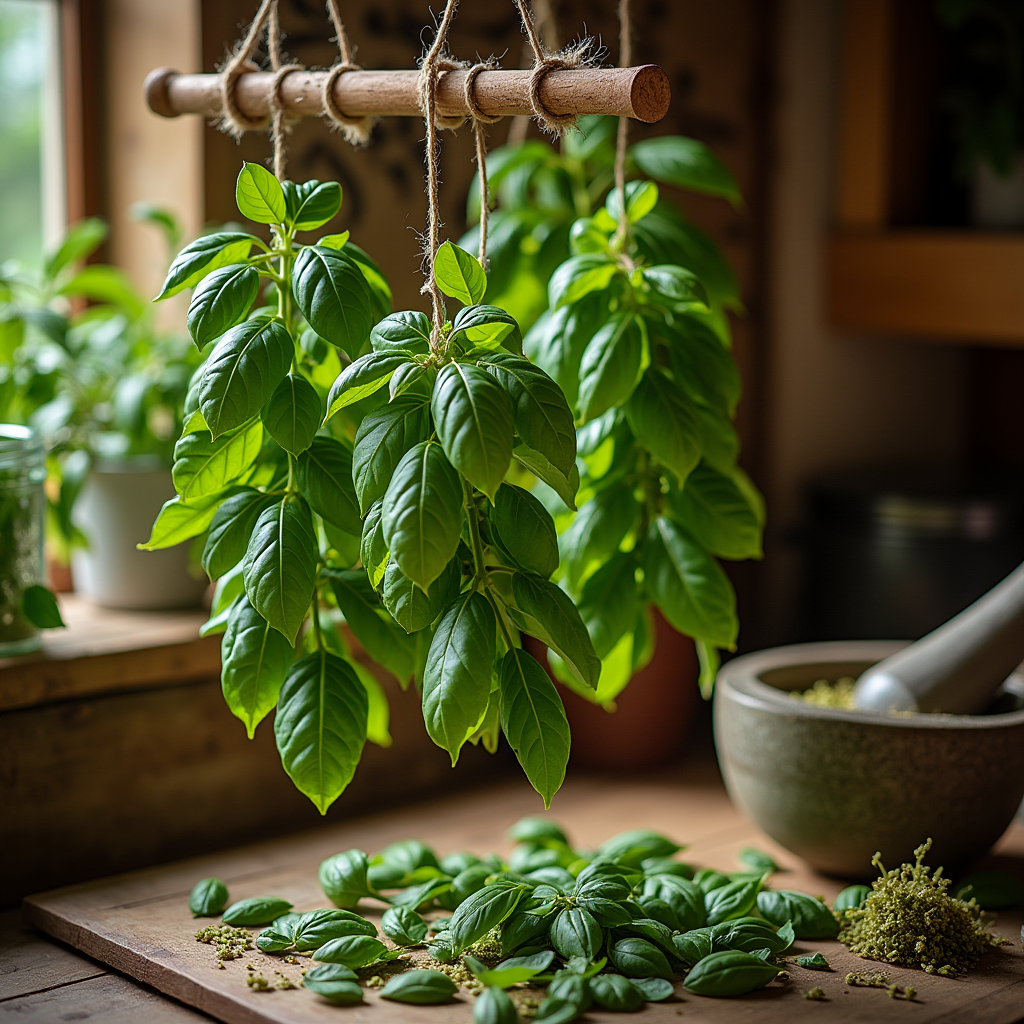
{"x": 140, "y": 923}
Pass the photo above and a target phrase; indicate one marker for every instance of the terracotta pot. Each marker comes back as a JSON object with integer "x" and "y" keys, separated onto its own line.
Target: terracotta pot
{"x": 652, "y": 717}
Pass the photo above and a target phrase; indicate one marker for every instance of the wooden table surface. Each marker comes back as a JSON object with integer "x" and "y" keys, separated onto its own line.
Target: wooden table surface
{"x": 140, "y": 925}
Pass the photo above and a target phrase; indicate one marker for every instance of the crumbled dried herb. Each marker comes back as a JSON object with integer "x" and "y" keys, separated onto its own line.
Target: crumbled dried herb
{"x": 229, "y": 943}
{"x": 814, "y": 993}
{"x": 826, "y": 694}
{"x": 911, "y": 919}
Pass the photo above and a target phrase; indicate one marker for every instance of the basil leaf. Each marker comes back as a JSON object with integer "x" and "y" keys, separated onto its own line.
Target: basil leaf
{"x": 557, "y": 340}
{"x": 204, "y": 466}
{"x": 420, "y": 897}
{"x": 324, "y": 475}
{"x": 597, "y": 532}
{"x": 311, "y": 204}
{"x": 814, "y": 962}
{"x": 732, "y": 900}
{"x": 317, "y": 927}
{"x": 404, "y": 927}
{"x": 292, "y": 416}
{"x": 633, "y": 847}
{"x": 486, "y": 327}
{"x": 321, "y": 726}
{"x": 222, "y": 300}
{"x": 255, "y": 659}
{"x": 457, "y": 676}
{"x": 178, "y": 520}
{"x": 510, "y": 972}
{"x": 330, "y": 972}
{"x": 230, "y": 529}
{"x": 421, "y": 988}
{"x": 257, "y": 910}
{"x": 729, "y": 973}
{"x": 259, "y": 196}
{"x": 700, "y": 363}
{"x": 810, "y": 917}
{"x": 654, "y": 990}
{"x": 473, "y": 419}
{"x": 484, "y": 910}
{"x": 201, "y": 257}
{"x": 343, "y": 880}
{"x": 537, "y": 463}
{"x": 609, "y": 603}
{"x": 616, "y": 993}
{"x": 757, "y": 861}
{"x": 406, "y": 333}
{"x": 422, "y": 513}
{"x": 535, "y": 829}
{"x": 666, "y": 866}
{"x": 575, "y": 932}
{"x": 688, "y": 585}
{"x": 748, "y": 934}
{"x": 611, "y": 365}
{"x": 493, "y": 1006}
{"x": 545, "y": 611}
{"x": 638, "y": 958}
{"x": 410, "y": 607}
{"x": 542, "y": 417}
{"x": 208, "y": 897}
{"x": 334, "y": 297}
{"x": 558, "y": 1011}
{"x": 271, "y": 941}
{"x": 852, "y": 897}
{"x": 352, "y": 951}
{"x": 459, "y": 275}
{"x": 693, "y": 946}
{"x": 279, "y": 567}
{"x": 675, "y": 288}
{"x": 383, "y": 438}
{"x": 685, "y": 898}
{"x": 660, "y": 416}
{"x": 362, "y": 378}
{"x": 373, "y": 549}
{"x": 687, "y": 163}
{"x": 579, "y": 276}
{"x": 572, "y": 988}
{"x": 243, "y": 369}
{"x": 641, "y": 198}
{"x": 339, "y": 991}
{"x": 707, "y": 879}
{"x": 521, "y": 929}
{"x": 533, "y": 720}
{"x": 524, "y": 531}
{"x": 381, "y": 638}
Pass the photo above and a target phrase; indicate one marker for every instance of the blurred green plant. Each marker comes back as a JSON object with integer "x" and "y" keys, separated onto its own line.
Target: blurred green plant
{"x": 83, "y": 362}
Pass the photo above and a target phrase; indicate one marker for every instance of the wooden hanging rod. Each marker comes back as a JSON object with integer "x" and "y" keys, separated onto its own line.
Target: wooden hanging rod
{"x": 642, "y": 93}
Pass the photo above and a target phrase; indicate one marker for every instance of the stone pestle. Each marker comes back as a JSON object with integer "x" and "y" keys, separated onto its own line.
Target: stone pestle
{"x": 958, "y": 667}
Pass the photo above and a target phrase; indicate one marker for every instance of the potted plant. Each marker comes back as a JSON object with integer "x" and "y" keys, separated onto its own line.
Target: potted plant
{"x": 630, "y": 320}
{"x": 104, "y": 387}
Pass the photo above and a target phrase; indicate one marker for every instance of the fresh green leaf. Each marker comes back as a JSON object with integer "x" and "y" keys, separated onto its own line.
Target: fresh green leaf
{"x": 82, "y": 240}
{"x": 565, "y": 486}
{"x": 406, "y": 332}
{"x": 457, "y": 677}
{"x": 533, "y": 720}
{"x": 204, "y": 467}
{"x": 382, "y": 440}
{"x": 353, "y": 951}
{"x": 524, "y": 531}
{"x": 179, "y": 521}
{"x": 814, "y": 962}
{"x": 810, "y": 917}
{"x": 311, "y": 204}
{"x": 404, "y": 927}
{"x": 459, "y": 274}
{"x": 292, "y": 415}
{"x": 494, "y": 1006}
{"x": 852, "y": 897}
{"x": 732, "y": 900}
{"x": 39, "y": 607}
{"x": 341, "y": 991}
{"x": 686, "y": 163}
{"x": 325, "y": 479}
{"x": 208, "y": 898}
{"x": 410, "y": 607}
{"x": 609, "y": 602}
{"x": 317, "y": 927}
{"x": 243, "y": 370}
{"x": 641, "y": 198}
{"x": 486, "y": 327}
{"x": 362, "y": 378}
{"x": 222, "y": 300}
{"x": 730, "y": 973}
{"x": 257, "y": 910}
{"x": 484, "y": 910}
{"x": 422, "y": 513}
{"x": 611, "y": 365}
{"x": 719, "y": 512}
{"x": 654, "y": 990}
{"x": 421, "y": 988}
{"x": 321, "y": 726}
{"x": 660, "y": 416}
{"x": 757, "y": 860}
{"x": 685, "y": 898}
{"x": 473, "y": 419}
{"x": 545, "y": 611}
{"x": 255, "y": 659}
{"x": 693, "y": 946}
{"x": 373, "y": 548}
{"x": 688, "y": 585}
{"x": 334, "y": 297}
{"x": 597, "y": 532}
{"x": 259, "y": 196}
{"x": 280, "y": 564}
{"x": 615, "y": 993}
{"x": 230, "y": 529}
{"x": 578, "y": 276}
{"x": 201, "y": 257}
{"x": 638, "y": 958}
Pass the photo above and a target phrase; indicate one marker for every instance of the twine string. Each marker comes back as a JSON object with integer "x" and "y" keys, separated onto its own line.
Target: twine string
{"x": 480, "y": 121}
{"x": 625, "y": 60}
{"x": 355, "y": 130}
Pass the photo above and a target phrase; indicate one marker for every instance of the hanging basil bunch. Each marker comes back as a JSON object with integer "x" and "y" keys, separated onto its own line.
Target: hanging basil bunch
{"x": 636, "y": 335}
{"x": 391, "y": 511}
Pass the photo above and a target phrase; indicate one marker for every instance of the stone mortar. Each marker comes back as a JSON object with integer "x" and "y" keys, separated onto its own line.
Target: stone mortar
{"x": 834, "y": 786}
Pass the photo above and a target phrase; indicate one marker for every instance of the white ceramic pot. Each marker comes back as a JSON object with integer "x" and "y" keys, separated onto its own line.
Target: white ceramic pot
{"x": 115, "y": 511}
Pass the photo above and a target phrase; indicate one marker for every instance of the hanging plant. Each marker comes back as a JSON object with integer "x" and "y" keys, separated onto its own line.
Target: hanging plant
{"x": 634, "y": 330}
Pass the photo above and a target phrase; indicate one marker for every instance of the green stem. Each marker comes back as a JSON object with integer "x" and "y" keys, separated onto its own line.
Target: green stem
{"x": 472, "y": 515}
{"x": 290, "y": 486}
{"x": 316, "y": 621}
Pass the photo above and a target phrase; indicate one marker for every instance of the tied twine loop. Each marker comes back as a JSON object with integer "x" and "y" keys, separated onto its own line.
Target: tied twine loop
{"x": 480, "y": 121}
{"x": 355, "y": 130}
{"x": 573, "y": 56}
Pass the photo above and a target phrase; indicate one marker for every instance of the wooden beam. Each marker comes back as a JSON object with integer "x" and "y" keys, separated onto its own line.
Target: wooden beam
{"x": 642, "y": 93}
{"x": 865, "y": 115}
{"x": 944, "y": 285}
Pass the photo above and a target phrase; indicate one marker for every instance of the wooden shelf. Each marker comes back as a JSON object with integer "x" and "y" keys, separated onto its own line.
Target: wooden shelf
{"x": 965, "y": 287}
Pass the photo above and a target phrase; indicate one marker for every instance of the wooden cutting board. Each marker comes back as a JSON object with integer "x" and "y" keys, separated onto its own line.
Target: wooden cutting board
{"x": 140, "y": 923}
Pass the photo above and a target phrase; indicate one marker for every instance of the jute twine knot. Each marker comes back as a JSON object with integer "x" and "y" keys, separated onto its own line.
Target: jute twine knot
{"x": 355, "y": 130}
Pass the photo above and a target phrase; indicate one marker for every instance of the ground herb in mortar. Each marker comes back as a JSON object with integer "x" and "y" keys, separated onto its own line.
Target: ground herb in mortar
{"x": 826, "y": 694}
{"x": 911, "y": 919}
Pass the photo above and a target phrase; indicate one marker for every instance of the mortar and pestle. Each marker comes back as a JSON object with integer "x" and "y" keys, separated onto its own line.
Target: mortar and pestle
{"x": 934, "y": 747}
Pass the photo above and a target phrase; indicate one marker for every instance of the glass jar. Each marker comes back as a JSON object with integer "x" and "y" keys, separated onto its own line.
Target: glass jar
{"x": 22, "y": 510}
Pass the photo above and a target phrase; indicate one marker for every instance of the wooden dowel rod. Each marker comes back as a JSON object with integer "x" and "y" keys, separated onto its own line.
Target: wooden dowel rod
{"x": 642, "y": 93}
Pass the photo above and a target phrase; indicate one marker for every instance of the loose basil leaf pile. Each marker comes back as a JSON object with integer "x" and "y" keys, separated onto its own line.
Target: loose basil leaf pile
{"x": 348, "y": 462}
{"x": 616, "y": 926}
{"x": 632, "y": 326}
